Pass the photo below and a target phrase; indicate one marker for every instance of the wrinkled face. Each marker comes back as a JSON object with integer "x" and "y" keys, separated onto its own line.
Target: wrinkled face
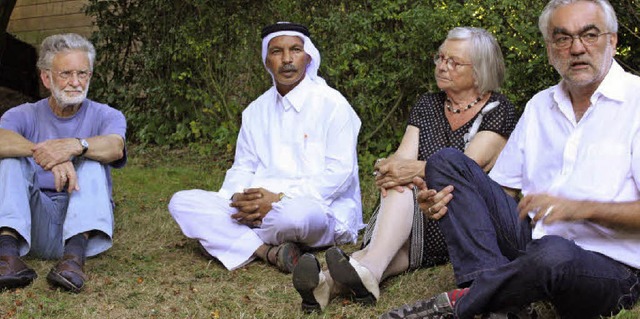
{"x": 454, "y": 71}
{"x": 287, "y": 62}
{"x": 582, "y": 63}
{"x": 68, "y": 79}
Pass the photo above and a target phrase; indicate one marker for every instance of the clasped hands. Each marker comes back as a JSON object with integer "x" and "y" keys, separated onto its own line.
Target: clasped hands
{"x": 252, "y": 204}
{"x": 55, "y": 156}
{"x": 547, "y": 208}
{"x": 393, "y": 173}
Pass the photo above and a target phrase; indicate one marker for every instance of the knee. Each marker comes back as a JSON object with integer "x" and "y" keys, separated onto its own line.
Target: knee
{"x": 12, "y": 164}
{"x": 90, "y": 168}
{"x": 9, "y": 162}
{"x": 178, "y": 200}
{"x": 301, "y": 221}
{"x": 442, "y": 162}
{"x": 551, "y": 253}
{"x": 298, "y": 217}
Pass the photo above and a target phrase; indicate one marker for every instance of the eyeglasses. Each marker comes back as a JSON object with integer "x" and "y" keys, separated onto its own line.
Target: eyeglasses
{"x": 65, "y": 75}
{"x": 564, "y": 41}
{"x": 451, "y": 63}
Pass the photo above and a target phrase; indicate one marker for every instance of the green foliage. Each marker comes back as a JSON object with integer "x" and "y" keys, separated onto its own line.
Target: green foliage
{"x": 183, "y": 71}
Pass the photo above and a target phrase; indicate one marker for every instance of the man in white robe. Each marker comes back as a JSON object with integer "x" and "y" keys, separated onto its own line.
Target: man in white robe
{"x": 294, "y": 181}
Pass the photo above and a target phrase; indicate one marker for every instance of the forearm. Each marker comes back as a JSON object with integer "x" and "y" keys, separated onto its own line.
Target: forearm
{"x": 104, "y": 149}
{"x": 485, "y": 148}
{"x": 621, "y": 216}
{"x": 13, "y": 144}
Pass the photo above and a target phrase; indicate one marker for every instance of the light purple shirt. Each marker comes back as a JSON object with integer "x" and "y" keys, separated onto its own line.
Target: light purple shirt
{"x": 37, "y": 123}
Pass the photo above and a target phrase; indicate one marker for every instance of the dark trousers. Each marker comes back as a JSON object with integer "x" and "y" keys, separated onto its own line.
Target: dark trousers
{"x": 492, "y": 252}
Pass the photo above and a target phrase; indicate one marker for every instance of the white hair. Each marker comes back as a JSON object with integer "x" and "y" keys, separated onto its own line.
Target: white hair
{"x": 57, "y": 43}
{"x": 609, "y": 15}
{"x": 486, "y": 56}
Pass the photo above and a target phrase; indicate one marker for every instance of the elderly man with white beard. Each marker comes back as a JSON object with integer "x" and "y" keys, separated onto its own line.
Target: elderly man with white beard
{"x": 56, "y": 157}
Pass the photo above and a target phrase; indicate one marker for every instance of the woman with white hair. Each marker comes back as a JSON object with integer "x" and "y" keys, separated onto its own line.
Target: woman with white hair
{"x": 467, "y": 114}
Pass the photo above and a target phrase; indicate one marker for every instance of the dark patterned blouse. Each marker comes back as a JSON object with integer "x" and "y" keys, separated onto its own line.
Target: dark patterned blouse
{"x": 435, "y": 134}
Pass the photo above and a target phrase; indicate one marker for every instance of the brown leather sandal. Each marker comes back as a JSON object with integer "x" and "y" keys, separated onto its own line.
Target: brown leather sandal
{"x": 68, "y": 274}
{"x": 286, "y": 258}
{"x": 14, "y": 273}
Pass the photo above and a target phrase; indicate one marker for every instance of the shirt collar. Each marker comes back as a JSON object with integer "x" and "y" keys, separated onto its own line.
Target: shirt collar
{"x": 296, "y": 97}
{"x": 611, "y": 87}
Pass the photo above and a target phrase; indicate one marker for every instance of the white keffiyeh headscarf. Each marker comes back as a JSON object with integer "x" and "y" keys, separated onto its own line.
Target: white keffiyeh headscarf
{"x": 309, "y": 48}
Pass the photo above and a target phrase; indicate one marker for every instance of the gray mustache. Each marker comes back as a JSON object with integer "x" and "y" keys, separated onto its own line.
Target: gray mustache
{"x": 288, "y": 67}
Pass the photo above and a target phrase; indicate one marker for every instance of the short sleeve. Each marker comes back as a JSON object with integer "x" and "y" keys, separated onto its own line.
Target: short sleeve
{"x": 417, "y": 113}
{"x": 501, "y": 120}
{"x": 15, "y": 119}
{"x": 114, "y": 122}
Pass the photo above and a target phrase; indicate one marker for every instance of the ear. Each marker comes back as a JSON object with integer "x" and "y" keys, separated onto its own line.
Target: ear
{"x": 549, "y": 53}
{"x": 308, "y": 58}
{"x": 613, "y": 40}
{"x": 45, "y": 78}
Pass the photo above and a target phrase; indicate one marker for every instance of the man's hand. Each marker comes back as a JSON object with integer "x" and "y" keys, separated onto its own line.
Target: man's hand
{"x": 550, "y": 209}
{"x": 65, "y": 174}
{"x": 50, "y": 153}
{"x": 252, "y": 204}
{"x": 396, "y": 173}
{"x": 432, "y": 203}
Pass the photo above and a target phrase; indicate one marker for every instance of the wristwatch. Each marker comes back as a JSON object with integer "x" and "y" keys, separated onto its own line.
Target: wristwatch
{"x": 84, "y": 144}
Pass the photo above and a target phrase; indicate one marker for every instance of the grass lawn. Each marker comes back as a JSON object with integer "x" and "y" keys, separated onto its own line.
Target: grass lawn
{"x": 153, "y": 271}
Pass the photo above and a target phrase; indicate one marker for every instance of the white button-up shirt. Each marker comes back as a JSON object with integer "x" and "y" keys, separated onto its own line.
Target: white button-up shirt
{"x": 596, "y": 159}
{"x": 304, "y": 145}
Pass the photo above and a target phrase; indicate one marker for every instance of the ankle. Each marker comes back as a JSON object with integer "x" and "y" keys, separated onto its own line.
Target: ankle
{"x": 9, "y": 245}
{"x": 262, "y": 252}
{"x": 76, "y": 246}
{"x": 372, "y": 267}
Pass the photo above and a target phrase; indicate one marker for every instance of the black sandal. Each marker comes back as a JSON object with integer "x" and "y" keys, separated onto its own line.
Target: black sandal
{"x": 344, "y": 273}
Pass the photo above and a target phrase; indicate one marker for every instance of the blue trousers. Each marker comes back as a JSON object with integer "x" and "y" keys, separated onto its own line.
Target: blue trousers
{"x": 44, "y": 220}
{"x": 492, "y": 252}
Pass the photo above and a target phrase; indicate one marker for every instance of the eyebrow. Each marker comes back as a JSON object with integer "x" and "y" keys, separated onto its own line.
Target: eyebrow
{"x": 455, "y": 57}
{"x": 282, "y": 47}
{"x": 588, "y": 27}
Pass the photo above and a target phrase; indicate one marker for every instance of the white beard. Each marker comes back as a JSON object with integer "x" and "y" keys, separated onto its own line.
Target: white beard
{"x": 64, "y": 99}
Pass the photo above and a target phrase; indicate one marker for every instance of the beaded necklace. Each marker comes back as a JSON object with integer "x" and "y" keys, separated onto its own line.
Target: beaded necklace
{"x": 449, "y": 105}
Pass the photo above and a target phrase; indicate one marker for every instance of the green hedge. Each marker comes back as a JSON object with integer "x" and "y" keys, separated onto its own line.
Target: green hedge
{"x": 182, "y": 71}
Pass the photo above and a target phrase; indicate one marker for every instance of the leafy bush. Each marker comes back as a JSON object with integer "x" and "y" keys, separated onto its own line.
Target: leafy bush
{"x": 182, "y": 71}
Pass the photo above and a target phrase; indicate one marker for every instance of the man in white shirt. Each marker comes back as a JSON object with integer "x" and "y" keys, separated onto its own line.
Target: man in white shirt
{"x": 573, "y": 239}
{"x": 294, "y": 180}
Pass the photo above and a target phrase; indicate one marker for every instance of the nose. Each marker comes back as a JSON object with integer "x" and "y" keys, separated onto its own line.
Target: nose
{"x": 577, "y": 47}
{"x": 287, "y": 57}
{"x": 74, "y": 79}
{"x": 442, "y": 65}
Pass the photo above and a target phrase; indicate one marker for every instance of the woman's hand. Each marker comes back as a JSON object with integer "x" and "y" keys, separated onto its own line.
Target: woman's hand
{"x": 397, "y": 173}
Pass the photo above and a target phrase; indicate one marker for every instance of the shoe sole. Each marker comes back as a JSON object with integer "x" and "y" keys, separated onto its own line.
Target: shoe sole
{"x": 305, "y": 280}
{"x": 19, "y": 280}
{"x": 344, "y": 273}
